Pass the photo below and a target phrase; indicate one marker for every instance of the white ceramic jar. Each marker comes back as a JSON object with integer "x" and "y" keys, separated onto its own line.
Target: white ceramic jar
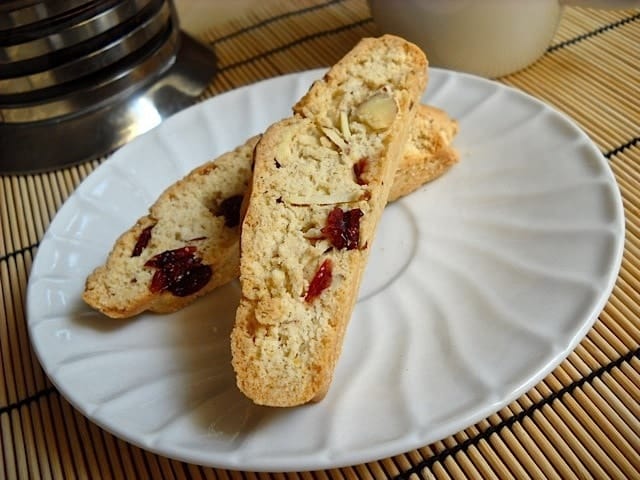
{"x": 490, "y": 38}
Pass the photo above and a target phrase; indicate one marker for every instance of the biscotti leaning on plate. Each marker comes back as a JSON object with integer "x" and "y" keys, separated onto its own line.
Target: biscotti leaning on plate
{"x": 196, "y": 220}
{"x": 320, "y": 182}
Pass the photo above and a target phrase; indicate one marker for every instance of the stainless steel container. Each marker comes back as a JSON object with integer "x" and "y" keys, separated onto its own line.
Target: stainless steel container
{"x": 74, "y": 74}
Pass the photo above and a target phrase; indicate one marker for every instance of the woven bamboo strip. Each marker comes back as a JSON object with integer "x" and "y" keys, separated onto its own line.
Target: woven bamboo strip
{"x": 374, "y": 469}
{"x": 497, "y": 444}
{"x": 587, "y": 21}
{"x": 57, "y": 189}
{"x": 23, "y": 209}
{"x": 470, "y": 461}
{"x": 62, "y": 460}
{"x": 586, "y": 413}
{"x": 7, "y": 455}
{"x": 611, "y": 55}
{"x": 611, "y": 338}
{"x": 631, "y": 389}
{"x": 40, "y": 378}
{"x": 19, "y": 286}
{"x": 609, "y": 349}
{"x": 29, "y": 444}
{"x": 77, "y": 454}
{"x": 36, "y": 213}
{"x": 486, "y": 460}
{"x": 603, "y": 16}
{"x": 616, "y": 397}
{"x": 51, "y": 196}
{"x": 602, "y": 462}
{"x": 11, "y": 321}
{"x": 625, "y": 164}
{"x": 4, "y": 337}
{"x": 457, "y": 464}
{"x": 609, "y": 319}
{"x": 620, "y": 46}
{"x": 11, "y": 232}
{"x": 401, "y": 463}
{"x": 16, "y": 215}
{"x": 518, "y": 442}
{"x": 43, "y": 209}
{"x": 503, "y": 448}
{"x": 5, "y": 243}
{"x": 546, "y": 457}
{"x": 619, "y": 432}
{"x": 10, "y": 393}
{"x": 438, "y": 472}
{"x": 83, "y": 437}
{"x": 570, "y": 69}
{"x": 621, "y": 308}
{"x": 587, "y": 116}
{"x": 19, "y": 441}
{"x": 558, "y": 431}
{"x": 41, "y": 448}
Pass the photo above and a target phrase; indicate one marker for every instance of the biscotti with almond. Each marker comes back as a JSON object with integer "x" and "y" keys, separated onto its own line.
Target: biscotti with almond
{"x": 210, "y": 197}
{"x": 320, "y": 182}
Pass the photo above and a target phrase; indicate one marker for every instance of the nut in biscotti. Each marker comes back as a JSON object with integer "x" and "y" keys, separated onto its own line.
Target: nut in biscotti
{"x": 321, "y": 179}
{"x": 377, "y": 111}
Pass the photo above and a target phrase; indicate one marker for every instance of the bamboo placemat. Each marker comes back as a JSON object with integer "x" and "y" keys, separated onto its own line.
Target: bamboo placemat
{"x": 582, "y": 421}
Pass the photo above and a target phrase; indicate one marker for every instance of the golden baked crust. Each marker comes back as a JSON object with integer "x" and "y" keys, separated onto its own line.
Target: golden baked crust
{"x": 186, "y": 214}
{"x": 340, "y": 151}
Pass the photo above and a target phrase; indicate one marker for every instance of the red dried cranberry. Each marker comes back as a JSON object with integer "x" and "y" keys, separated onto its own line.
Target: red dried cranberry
{"x": 191, "y": 281}
{"x": 358, "y": 169}
{"x": 179, "y": 271}
{"x": 320, "y": 281}
{"x": 143, "y": 241}
{"x": 343, "y": 228}
{"x": 230, "y": 209}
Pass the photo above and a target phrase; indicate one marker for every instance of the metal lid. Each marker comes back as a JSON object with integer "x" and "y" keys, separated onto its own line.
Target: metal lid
{"x": 86, "y": 64}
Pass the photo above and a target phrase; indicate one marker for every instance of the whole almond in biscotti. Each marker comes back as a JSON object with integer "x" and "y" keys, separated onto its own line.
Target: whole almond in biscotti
{"x": 320, "y": 182}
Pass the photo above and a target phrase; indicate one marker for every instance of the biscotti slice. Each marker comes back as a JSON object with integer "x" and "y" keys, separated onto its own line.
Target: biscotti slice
{"x": 185, "y": 247}
{"x": 428, "y": 154}
{"x": 121, "y": 287}
{"x": 320, "y": 182}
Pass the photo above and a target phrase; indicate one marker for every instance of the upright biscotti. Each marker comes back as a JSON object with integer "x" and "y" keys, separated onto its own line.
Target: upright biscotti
{"x": 320, "y": 182}
{"x": 201, "y": 212}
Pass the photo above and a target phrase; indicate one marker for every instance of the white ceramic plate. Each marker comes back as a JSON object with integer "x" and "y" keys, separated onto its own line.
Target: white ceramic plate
{"x": 479, "y": 285}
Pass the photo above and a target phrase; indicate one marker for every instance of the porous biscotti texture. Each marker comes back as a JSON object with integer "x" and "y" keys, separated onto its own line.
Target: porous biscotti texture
{"x": 190, "y": 213}
{"x": 336, "y": 156}
{"x": 120, "y": 287}
{"x": 428, "y": 154}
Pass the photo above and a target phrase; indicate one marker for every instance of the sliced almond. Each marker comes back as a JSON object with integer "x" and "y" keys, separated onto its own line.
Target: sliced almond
{"x": 336, "y": 138}
{"x": 344, "y": 125}
{"x": 378, "y": 111}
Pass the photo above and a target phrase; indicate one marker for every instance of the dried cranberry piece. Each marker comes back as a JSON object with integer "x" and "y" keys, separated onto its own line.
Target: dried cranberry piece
{"x": 230, "y": 209}
{"x": 320, "y": 281}
{"x": 343, "y": 228}
{"x": 358, "y": 169}
{"x": 191, "y": 281}
{"x": 179, "y": 271}
{"x": 143, "y": 241}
